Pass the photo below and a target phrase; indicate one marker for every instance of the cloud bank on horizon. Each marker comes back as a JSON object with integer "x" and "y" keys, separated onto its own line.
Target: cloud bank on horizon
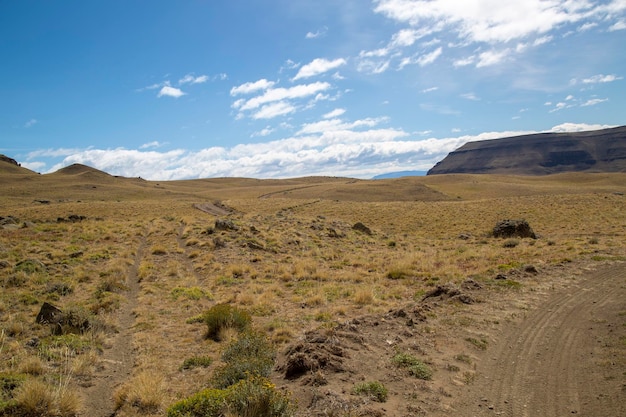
{"x": 341, "y": 90}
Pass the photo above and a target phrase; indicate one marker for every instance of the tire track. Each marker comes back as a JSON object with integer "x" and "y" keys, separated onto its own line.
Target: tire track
{"x": 544, "y": 365}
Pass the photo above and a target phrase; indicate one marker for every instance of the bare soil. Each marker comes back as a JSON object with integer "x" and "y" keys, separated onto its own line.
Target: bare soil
{"x": 557, "y": 349}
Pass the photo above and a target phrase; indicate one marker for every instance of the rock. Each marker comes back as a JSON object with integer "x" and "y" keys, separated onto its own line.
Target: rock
{"x": 501, "y": 277}
{"x": 49, "y": 314}
{"x": 531, "y": 269}
{"x": 513, "y": 228}
{"x": 225, "y": 224}
{"x": 360, "y": 227}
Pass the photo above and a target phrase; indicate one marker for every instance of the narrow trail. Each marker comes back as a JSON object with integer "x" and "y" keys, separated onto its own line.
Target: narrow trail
{"x": 117, "y": 361}
{"x": 565, "y": 358}
{"x": 185, "y": 259}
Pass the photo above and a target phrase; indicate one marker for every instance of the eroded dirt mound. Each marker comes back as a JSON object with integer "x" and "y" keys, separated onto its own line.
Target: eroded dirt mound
{"x": 326, "y": 366}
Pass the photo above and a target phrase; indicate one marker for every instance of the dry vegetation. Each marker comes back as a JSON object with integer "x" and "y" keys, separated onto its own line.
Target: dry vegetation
{"x": 136, "y": 268}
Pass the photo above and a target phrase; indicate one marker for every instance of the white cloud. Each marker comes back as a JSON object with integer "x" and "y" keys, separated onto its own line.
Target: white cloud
{"x": 594, "y": 101}
{"x": 491, "y": 58}
{"x": 496, "y": 22}
{"x": 586, "y": 26}
{"x": 317, "y": 34}
{"x": 252, "y": 87}
{"x": 191, "y": 79}
{"x": 269, "y": 111}
{"x": 170, "y": 92}
{"x": 463, "y": 62}
{"x": 578, "y": 127}
{"x": 31, "y": 123}
{"x": 279, "y": 94}
{"x": 153, "y": 144}
{"x": 619, "y": 25}
{"x": 601, "y": 78}
{"x": 429, "y": 58}
{"x": 429, "y": 90}
{"x": 318, "y": 66}
{"x": 470, "y": 96}
{"x": 334, "y": 113}
{"x": 264, "y": 132}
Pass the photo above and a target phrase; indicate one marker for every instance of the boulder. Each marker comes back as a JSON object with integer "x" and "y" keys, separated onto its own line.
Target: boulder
{"x": 513, "y": 228}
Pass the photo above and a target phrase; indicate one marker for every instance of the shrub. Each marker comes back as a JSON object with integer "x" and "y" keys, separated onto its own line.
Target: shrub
{"x": 252, "y": 397}
{"x": 416, "y": 367}
{"x": 206, "y": 403}
{"x": 222, "y": 316}
{"x": 373, "y": 389}
{"x": 258, "y": 397}
{"x": 249, "y": 355}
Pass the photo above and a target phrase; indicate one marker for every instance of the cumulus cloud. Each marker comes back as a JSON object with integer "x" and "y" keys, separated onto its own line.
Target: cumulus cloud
{"x": 359, "y": 148}
{"x": 273, "y": 102}
{"x": 169, "y": 91}
{"x": 252, "y": 87}
{"x": 318, "y": 66}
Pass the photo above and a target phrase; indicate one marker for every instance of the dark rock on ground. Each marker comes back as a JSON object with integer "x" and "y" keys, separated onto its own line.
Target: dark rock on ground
{"x": 513, "y": 228}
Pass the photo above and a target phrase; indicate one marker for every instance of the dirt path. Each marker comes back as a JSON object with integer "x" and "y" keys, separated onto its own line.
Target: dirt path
{"x": 117, "y": 362}
{"x": 566, "y": 357}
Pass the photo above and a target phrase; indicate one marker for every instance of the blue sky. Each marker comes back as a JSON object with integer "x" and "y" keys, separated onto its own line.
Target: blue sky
{"x": 281, "y": 88}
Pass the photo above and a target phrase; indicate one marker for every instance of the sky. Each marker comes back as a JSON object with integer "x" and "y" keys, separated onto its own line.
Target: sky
{"x": 166, "y": 90}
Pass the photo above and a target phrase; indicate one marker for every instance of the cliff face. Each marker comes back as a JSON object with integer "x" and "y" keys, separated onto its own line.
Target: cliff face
{"x": 540, "y": 154}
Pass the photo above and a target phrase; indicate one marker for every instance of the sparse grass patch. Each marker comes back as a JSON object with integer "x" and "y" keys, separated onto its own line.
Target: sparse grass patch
{"x": 196, "y": 362}
{"x": 415, "y": 366}
{"x": 373, "y": 389}
{"x": 191, "y": 293}
{"x": 480, "y": 344}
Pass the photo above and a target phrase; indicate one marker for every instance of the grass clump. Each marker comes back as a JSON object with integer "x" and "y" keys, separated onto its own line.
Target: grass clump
{"x": 415, "y": 366}
{"x": 222, "y": 316}
{"x": 250, "y": 354}
{"x": 196, "y": 362}
{"x": 191, "y": 293}
{"x": 251, "y": 397}
{"x": 373, "y": 389}
{"x": 478, "y": 343}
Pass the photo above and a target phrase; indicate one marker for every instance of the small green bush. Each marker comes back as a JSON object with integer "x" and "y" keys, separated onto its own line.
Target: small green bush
{"x": 206, "y": 403}
{"x": 258, "y": 397}
{"x": 192, "y": 293}
{"x": 251, "y": 397}
{"x": 416, "y": 367}
{"x": 373, "y": 389}
{"x": 222, "y": 316}
{"x": 249, "y": 355}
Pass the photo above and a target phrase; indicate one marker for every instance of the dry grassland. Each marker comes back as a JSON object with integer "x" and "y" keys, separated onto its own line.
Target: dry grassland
{"x": 142, "y": 263}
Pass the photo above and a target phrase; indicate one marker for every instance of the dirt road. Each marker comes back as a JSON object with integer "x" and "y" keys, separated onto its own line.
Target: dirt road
{"x": 566, "y": 357}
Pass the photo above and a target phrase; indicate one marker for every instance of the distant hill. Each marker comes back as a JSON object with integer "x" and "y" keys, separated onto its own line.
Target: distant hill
{"x": 399, "y": 174}
{"x": 540, "y": 154}
{"x": 11, "y": 166}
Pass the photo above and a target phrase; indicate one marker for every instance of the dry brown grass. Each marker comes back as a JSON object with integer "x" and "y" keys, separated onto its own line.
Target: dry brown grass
{"x": 284, "y": 265}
